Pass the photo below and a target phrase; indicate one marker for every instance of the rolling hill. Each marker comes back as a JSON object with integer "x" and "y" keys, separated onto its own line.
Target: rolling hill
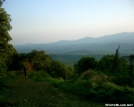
{"x": 102, "y": 45}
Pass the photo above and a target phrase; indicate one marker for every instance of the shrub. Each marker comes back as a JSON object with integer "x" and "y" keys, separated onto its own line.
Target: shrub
{"x": 88, "y": 74}
{"x": 85, "y": 63}
{"x": 4, "y": 81}
{"x": 106, "y": 64}
{"x": 38, "y": 76}
{"x": 3, "y": 67}
{"x": 12, "y": 74}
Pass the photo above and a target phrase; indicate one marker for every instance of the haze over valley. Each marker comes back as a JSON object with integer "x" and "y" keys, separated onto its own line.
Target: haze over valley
{"x": 104, "y": 44}
{"x": 70, "y": 52}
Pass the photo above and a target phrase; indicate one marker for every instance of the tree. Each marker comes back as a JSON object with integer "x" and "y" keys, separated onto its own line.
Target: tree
{"x": 13, "y": 61}
{"x": 116, "y": 59}
{"x": 84, "y": 64}
{"x": 6, "y": 49}
{"x": 1, "y": 2}
{"x": 106, "y": 63}
{"x": 58, "y": 70}
{"x": 39, "y": 60}
{"x": 131, "y": 70}
{"x": 131, "y": 59}
{"x": 3, "y": 67}
{"x": 121, "y": 72}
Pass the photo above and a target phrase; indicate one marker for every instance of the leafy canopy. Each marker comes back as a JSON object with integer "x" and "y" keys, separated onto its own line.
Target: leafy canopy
{"x": 84, "y": 64}
{"x": 5, "y": 47}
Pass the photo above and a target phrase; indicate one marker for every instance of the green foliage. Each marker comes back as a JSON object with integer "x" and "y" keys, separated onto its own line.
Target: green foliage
{"x": 130, "y": 59}
{"x": 38, "y": 76}
{"x": 107, "y": 92}
{"x": 106, "y": 81}
{"x": 84, "y": 64}
{"x": 40, "y": 61}
{"x": 106, "y": 63}
{"x": 102, "y": 92}
{"x": 1, "y": 2}
{"x": 72, "y": 58}
{"x": 91, "y": 85}
{"x": 122, "y": 75}
{"x": 5, "y": 81}
{"x": 120, "y": 72}
{"x": 12, "y": 74}
{"x": 88, "y": 74}
{"x": 58, "y": 70}
{"x": 34, "y": 60}
{"x": 5, "y": 48}
{"x": 40, "y": 94}
{"x": 3, "y": 67}
{"x": 13, "y": 61}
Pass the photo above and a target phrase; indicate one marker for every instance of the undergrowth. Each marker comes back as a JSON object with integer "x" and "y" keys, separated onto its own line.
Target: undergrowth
{"x": 42, "y": 90}
{"x": 95, "y": 88}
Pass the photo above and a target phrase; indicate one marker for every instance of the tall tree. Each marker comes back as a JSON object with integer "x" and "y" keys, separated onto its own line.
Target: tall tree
{"x": 1, "y": 2}
{"x": 6, "y": 49}
{"x": 116, "y": 59}
{"x": 131, "y": 59}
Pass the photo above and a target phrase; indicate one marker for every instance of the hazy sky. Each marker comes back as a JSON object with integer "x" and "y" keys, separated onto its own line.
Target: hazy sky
{"x": 44, "y": 21}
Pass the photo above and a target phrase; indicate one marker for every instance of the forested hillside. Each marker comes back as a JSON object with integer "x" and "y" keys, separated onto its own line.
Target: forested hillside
{"x": 109, "y": 80}
{"x": 69, "y": 52}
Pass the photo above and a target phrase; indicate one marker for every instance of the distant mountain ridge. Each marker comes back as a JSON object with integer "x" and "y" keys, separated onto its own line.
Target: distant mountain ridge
{"x": 120, "y": 37}
{"x": 104, "y": 44}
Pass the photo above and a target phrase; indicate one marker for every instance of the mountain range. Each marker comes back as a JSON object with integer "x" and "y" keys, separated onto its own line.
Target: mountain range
{"x": 85, "y": 46}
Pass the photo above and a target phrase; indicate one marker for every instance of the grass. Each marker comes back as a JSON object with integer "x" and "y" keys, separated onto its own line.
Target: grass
{"x": 39, "y": 90}
{"x": 97, "y": 88}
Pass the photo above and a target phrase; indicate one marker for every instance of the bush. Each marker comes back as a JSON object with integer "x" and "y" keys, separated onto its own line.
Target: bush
{"x": 88, "y": 74}
{"x": 84, "y": 64}
{"x": 3, "y": 67}
{"x": 106, "y": 64}
{"x": 4, "y": 81}
{"x": 12, "y": 74}
{"x": 38, "y": 76}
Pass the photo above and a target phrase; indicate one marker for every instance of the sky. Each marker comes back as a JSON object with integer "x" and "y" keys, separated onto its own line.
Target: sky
{"x": 46, "y": 21}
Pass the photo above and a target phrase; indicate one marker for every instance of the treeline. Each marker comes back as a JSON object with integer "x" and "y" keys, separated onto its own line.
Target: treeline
{"x": 71, "y": 59}
{"x": 37, "y": 61}
{"x": 121, "y": 68}
{"x": 111, "y": 79}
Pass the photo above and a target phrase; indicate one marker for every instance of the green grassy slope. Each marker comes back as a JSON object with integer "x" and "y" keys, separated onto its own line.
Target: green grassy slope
{"x": 21, "y": 93}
